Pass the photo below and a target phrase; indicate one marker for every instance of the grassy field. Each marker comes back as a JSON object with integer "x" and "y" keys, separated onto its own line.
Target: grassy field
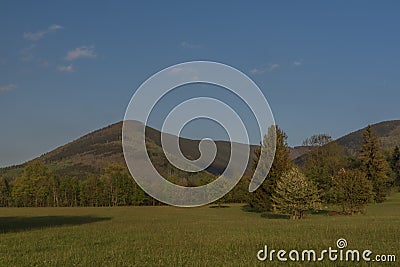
{"x": 168, "y": 236}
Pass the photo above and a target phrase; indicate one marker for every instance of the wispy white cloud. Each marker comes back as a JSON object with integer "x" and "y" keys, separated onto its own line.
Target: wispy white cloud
{"x": 44, "y": 63}
{"x": 68, "y": 68}
{"x": 185, "y": 44}
{"x": 36, "y": 36}
{"x": 55, "y": 27}
{"x": 8, "y": 87}
{"x": 26, "y": 54}
{"x": 297, "y": 63}
{"x": 271, "y": 67}
{"x": 81, "y": 52}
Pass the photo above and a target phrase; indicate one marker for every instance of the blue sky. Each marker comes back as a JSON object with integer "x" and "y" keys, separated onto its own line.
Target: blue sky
{"x": 68, "y": 68}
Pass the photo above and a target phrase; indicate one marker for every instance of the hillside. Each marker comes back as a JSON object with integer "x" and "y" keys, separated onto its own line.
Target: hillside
{"x": 91, "y": 152}
{"x": 298, "y": 151}
{"x": 388, "y": 132}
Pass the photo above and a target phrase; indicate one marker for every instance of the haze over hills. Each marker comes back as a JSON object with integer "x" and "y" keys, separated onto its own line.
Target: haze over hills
{"x": 90, "y": 153}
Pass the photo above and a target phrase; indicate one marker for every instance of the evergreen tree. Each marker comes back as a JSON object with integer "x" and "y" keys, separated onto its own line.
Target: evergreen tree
{"x": 240, "y": 193}
{"x": 295, "y": 195}
{"x": 374, "y": 164}
{"x": 353, "y": 190}
{"x": 261, "y": 199}
{"x": 395, "y": 164}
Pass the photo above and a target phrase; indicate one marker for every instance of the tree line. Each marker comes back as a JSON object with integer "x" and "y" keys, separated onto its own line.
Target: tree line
{"x": 38, "y": 186}
{"x": 325, "y": 175}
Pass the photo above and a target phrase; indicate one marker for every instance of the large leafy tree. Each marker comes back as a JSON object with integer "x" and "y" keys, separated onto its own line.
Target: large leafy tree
{"x": 322, "y": 161}
{"x": 33, "y": 187}
{"x": 353, "y": 190}
{"x": 261, "y": 199}
{"x": 93, "y": 192}
{"x": 295, "y": 194}
{"x": 69, "y": 191}
{"x": 5, "y": 193}
{"x": 119, "y": 184}
{"x": 374, "y": 164}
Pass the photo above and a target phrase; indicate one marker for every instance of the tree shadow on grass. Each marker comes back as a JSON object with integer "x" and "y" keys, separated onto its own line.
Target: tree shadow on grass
{"x": 275, "y": 216}
{"x": 269, "y": 215}
{"x": 266, "y": 215}
{"x": 17, "y": 224}
{"x": 219, "y": 207}
{"x": 248, "y": 208}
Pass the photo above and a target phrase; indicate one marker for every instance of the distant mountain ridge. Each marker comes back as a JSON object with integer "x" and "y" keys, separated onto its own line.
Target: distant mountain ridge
{"x": 88, "y": 154}
{"x": 387, "y": 131}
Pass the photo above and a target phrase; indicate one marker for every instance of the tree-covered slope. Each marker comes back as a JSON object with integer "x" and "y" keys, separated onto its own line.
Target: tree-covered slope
{"x": 387, "y": 131}
{"x": 92, "y": 152}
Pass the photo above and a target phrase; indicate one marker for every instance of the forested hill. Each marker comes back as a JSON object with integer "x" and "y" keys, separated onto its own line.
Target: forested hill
{"x": 90, "y": 153}
{"x": 387, "y": 131}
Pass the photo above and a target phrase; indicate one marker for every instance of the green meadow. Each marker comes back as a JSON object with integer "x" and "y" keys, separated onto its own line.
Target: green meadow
{"x": 168, "y": 236}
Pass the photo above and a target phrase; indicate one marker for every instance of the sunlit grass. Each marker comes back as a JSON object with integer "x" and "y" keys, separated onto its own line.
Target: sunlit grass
{"x": 168, "y": 236}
